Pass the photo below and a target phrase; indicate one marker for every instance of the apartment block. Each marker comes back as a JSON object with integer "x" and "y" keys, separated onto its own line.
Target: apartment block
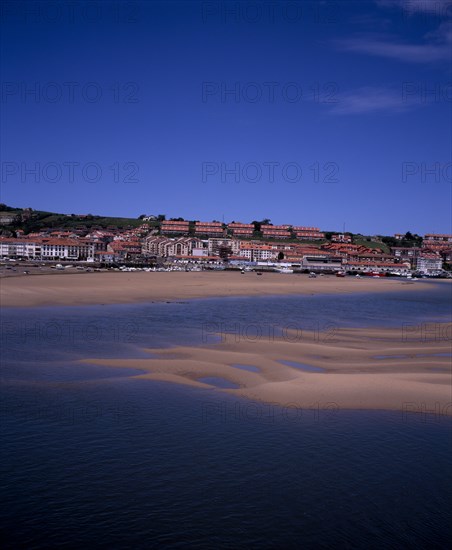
{"x": 437, "y": 238}
{"x": 169, "y": 227}
{"x": 276, "y": 231}
{"x": 47, "y": 249}
{"x": 406, "y": 254}
{"x": 241, "y": 229}
{"x": 214, "y": 245}
{"x": 166, "y": 247}
{"x": 209, "y": 229}
{"x": 430, "y": 262}
{"x": 254, "y": 252}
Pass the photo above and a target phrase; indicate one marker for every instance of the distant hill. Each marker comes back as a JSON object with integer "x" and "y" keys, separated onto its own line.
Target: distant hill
{"x": 34, "y": 220}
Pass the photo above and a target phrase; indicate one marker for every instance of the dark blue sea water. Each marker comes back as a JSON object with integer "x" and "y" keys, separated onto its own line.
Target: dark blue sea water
{"x": 92, "y": 458}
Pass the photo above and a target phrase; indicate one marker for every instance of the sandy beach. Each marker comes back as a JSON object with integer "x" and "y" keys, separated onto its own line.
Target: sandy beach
{"x": 110, "y": 288}
{"x": 360, "y": 369}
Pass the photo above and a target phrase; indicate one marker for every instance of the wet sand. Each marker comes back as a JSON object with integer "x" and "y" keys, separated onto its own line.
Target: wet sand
{"x": 361, "y": 369}
{"x": 110, "y": 288}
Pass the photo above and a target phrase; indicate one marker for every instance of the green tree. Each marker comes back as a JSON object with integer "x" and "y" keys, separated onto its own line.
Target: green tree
{"x": 257, "y": 224}
{"x": 224, "y": 252}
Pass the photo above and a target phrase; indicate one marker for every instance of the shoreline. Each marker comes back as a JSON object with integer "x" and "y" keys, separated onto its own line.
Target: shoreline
{"x": 348, "y": 368}
{"x": 127, "y": 288}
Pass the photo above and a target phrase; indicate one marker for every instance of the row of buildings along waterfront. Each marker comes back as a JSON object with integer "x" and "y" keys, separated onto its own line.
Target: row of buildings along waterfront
{"x": 214, "y": 242}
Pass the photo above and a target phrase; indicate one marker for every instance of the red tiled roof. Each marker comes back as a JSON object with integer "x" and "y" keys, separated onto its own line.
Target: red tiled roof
{"x": 239, "y": 225}
{"x": 274, "y": 227}
{"x": 302, "y": 228}
{"x": 213, "y": 224}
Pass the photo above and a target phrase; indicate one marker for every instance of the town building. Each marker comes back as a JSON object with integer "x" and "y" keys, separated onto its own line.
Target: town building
{"x": 275, "y": 231}
{"x": 429, "y": 262}
{"x": 406, "y": 254}
{"x": 238, "y": 229}
{"x": 341, "y": 238}
{"x": 172, "y": 227}
{"x": 319, "y": 262}
{"x": 47, "y": 249}
{"x": 437, "y": 238}
{"x": 377, "y": 266}
{"x": 215, "y": 245}
{"x": 13, "y": 248}
{"x": 254, "y": 252}
{"x": 308, "y": 233}
{"x": 106, "y": 257}
{"x": 166, "y": 247}
{"x": 124, "y": 250}
{"x": 209, "y": 229}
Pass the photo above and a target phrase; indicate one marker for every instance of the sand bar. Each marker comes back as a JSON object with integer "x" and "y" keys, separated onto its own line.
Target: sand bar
{"x": 360, "y": 369}
{"x": 114, "y": 287}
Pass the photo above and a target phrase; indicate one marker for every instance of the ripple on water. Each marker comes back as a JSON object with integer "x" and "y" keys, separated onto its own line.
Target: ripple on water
{"x": 302, "y": 366}
{"x": 404, "y": 356}
{"x": 219, "y": 382}
{"x": 250, "y": 368}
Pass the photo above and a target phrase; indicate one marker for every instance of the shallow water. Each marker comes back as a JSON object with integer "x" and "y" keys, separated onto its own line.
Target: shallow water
{"x": 92, "y": 457}
{"x": 302, "y": 366}
{"x": 249, "y": 368}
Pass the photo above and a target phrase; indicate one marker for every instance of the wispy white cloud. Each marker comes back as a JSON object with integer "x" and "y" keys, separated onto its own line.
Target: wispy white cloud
{"x": 393, "y": 49}
{"x": 435, "y": 45}
{"x": 441, "y": 8}
{"x": 370, "y": 100}
{"x": 443, "y": 34}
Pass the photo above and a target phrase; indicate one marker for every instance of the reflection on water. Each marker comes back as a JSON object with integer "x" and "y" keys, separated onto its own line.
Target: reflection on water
{"x": 249, "y": 368}
{"x": 302, "y": 366}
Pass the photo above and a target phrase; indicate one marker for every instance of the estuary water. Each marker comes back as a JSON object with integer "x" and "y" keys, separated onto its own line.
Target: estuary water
{"x": 93, "y": 458}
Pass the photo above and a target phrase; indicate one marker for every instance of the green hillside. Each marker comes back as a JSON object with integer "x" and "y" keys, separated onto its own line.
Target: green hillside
{"x": 35, "y": 220}
{"x": 39, "y": 219}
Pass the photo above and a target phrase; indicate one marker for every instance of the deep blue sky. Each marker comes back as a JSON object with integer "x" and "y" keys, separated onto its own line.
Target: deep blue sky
{"x": 362, "y": 144}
